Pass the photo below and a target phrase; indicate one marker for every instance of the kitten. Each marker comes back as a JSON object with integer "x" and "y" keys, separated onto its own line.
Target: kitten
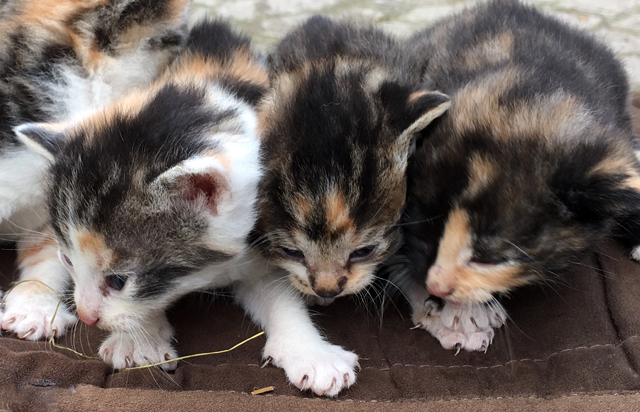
{"x": 154, "y": 198}
{"x": 533, "y": 165}
{"x": 60, "y": 60}
{"x": 338, "y": 127}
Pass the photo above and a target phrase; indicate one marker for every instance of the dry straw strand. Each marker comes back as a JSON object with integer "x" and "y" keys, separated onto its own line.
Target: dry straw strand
{"x": 54, "y": 344}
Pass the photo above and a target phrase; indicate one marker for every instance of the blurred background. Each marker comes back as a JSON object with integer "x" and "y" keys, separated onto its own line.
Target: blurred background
{"x": 617, "y": 22}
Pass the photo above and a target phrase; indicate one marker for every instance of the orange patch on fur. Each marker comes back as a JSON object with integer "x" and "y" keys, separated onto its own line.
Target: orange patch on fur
{"x": 546, "y": 117}
{"x": 37, "y": 253}
{"x": 91, "y": 243}
{"x": 47, "y": 12}
{"x": 127, "y": 106}
{"x": 301, "y": 208}
{"x": 490, "y": 51}
{"x": 481, "y": 174}
{"x": 242, "y": 66}
{"x": 178, "y": 7}
{"x": 453, "y": 271}
{"x": 620, "y": 164}
{"x": 338, "y": 218}
{"x": 32, "y": 288}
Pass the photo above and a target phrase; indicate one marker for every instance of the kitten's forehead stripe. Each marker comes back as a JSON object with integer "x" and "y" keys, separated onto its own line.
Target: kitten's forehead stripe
{"x": 482, "y": 172}
{"x": 338, "y": 212}
{"x": 93, "y": 244}
{"x": 456, "y": 235}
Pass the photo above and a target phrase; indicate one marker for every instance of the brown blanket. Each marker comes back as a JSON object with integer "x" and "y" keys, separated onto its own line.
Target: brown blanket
{"x": 574, "y": 345}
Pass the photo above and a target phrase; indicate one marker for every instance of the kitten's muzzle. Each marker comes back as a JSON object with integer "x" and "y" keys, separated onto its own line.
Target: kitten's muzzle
{"x": 328, "y": 294}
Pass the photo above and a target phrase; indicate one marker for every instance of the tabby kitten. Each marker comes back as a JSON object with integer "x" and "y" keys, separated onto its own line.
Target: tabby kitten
{"x": 60, "y": 60}
{"x": 154, "y": 198}
{"x": 533, "y": 165}
{"x": 338, "y": 126}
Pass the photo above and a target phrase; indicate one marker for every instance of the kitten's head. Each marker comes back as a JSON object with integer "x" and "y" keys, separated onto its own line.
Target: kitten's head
{"x": 151, "y": 196}
{"x": 502, "y": 195}
{"x": 337, "y": 134}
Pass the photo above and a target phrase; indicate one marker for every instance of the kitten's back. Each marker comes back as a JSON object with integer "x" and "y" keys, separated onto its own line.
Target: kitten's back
{"x": 541, "y": 54}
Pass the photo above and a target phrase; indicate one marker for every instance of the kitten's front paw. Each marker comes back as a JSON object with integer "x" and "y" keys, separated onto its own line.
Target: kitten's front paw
{"x": 635, "y": 253}
{"x": 321, "y": 367}
{"x": 28, "y": 310}
{"x": 469, "y": 327}
{"x": 126, "y": 350}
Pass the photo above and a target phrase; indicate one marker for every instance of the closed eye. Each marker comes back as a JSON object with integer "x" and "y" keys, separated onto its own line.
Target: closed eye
{"x": 362, "y": 254}
{"x": 66, "y": 262}
{"x": 289, "y": 253}
{"x": 488, "y": 259}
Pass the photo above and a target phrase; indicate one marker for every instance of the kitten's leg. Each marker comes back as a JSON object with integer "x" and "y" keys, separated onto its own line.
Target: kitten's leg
{"x": 469, "y": 327}
{"x": 30, "y": 306}
{"x": 151, "y": 343}
{"x": 293, "y": 342}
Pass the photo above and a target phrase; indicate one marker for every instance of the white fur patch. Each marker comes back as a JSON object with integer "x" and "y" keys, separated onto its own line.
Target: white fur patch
{"x": 635, "y": 253}
{"x": 150, "y": 344}
{"x": 293, "y": 342}
{"x": 22, "y": 191}
{"x": 30, "y": 306}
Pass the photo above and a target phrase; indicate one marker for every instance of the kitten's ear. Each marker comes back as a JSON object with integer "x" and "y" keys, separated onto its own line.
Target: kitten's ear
{"x": 44, "y": 139}
{"x": 410, "y": 115}
{"x": 200, "y": 180}
{"x": 422, "y": 108}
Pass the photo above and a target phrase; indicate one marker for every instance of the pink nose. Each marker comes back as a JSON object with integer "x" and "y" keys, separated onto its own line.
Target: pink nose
{"x": 89, "y": 319}
{"x": 440, "y": 290}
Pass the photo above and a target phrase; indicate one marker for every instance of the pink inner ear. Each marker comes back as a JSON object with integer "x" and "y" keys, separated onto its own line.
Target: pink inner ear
{"x": 205, "y": 184}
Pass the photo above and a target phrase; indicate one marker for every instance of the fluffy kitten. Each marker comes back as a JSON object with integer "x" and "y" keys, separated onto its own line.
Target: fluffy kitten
{"x": 338, "y": 127}
{"x": 154, "y": 198}
{"x": 533, "y": 165}
{"x": 60, "y": 60}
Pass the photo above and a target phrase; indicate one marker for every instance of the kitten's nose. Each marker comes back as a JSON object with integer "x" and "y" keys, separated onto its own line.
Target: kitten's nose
{"x": 440, "y": 290}
{"x": 328, "y": 294}
{"x": 89, "y": 319}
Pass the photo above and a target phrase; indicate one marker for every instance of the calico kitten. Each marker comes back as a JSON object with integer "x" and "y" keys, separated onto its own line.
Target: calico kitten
{"x": 60, "y": 60}
{"x": 533, "y": 165}
{"x": 338, "y": 127}
{"x": 154, "y": 198}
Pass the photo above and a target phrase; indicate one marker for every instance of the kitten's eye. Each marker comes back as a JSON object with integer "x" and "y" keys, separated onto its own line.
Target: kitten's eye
{"x": 294, "y": 254}
{"x": 362, "y": 254}
{"x": 66, "y": 260}
{"x": 116, "y": 282}
{"x": 488, "y": 260}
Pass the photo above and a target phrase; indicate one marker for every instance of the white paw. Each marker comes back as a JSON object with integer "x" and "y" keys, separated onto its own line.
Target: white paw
{"x": 469, "y": 327}
{"x": 28, "y": 311}
{"x": 313, "y": 300}
{"x": 321, "y": 367}
{"x": 635, "y": 253}
{"x": 127, "y": 350}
